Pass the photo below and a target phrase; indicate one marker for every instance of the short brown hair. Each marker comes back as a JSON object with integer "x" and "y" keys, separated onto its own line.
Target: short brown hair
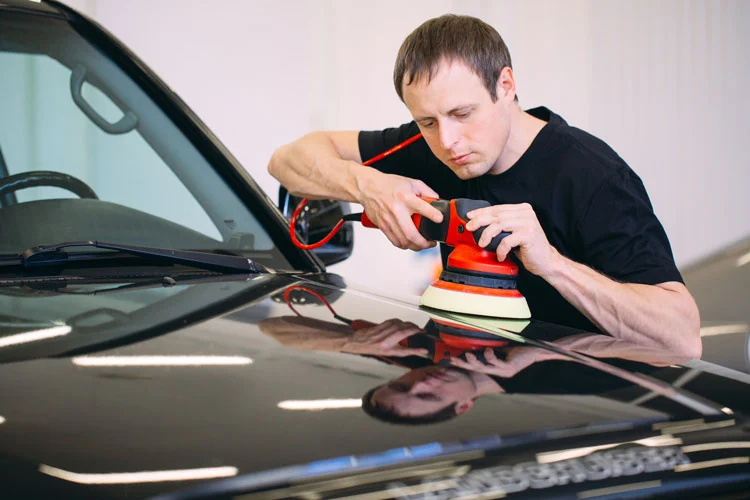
{"x": 453, "y": 38}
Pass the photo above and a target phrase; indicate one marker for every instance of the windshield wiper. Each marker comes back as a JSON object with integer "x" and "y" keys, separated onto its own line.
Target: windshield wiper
{"x": 55, "y": 255}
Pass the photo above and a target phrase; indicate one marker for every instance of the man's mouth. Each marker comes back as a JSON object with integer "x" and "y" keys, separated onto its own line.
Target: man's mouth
{"x": 461, "y": 159}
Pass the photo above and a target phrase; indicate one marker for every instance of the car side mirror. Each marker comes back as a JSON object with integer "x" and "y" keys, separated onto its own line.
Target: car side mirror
{"x": 315, "y": 222}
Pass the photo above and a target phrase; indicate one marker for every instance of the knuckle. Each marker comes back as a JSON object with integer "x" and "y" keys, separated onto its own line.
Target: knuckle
{"x": 402, "y": 196}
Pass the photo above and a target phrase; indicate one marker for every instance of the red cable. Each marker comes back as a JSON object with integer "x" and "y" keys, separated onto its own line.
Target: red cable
{"x": 333, "y": 232}
{"x": 288, "y": 301}
{"x": 392, "y": 150}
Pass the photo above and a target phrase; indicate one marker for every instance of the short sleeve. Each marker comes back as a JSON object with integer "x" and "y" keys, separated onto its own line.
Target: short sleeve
{"x": 415, "y": 161}
{"x": 374, "y": 142}
{"x": 621, "y": 236}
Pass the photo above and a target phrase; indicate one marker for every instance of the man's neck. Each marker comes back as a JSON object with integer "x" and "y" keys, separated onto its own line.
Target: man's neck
{"x": 523, "y": 130}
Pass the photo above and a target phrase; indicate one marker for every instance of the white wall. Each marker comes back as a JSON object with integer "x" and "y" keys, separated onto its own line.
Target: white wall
{"x": 663, "y": 82}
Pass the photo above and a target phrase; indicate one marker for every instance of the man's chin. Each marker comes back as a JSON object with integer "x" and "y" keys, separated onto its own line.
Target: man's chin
{"x": 470, "y": 171}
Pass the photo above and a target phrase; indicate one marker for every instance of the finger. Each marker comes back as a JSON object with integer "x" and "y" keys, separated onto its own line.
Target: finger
{"x": 395, "y": 233}
{"x": 460, "y": 363}
{"x": 473, "y": 361}
{"x": 487, "y": 215}
{"x": 500, "y": 209}
{"x": 423, "y": 208}
{"x": 488, "y": 220}
{"x": 508, "y": 244}
{"x": 407, "y": 351}
{"x": 480, "y": 217}
{"x": 415, "y": 240}
{"x": 390, "y": 328}
{"x": 493, "y": 361}
{"x": 507, "y": 222}
{"x": 404, "y": 333}
{"x": 489, "y": 355}
{"x": 378, "y": 329}
{"x": 489, "y": 233}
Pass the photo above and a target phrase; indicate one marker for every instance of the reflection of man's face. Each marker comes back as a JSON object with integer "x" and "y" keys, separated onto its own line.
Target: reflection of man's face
{"x": 426, "y": 391}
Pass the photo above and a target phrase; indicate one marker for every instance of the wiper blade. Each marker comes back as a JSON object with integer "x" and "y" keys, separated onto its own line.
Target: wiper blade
{"x": 55, "y": 255}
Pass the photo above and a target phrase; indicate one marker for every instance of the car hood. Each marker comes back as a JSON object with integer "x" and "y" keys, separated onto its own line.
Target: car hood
{"x": 214, "y": 383}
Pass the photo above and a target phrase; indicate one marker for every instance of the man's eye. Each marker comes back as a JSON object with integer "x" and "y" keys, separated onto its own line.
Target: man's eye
{"x": 427, "y": 124}
{"x": 463, "y": 115}
{"x": 428, "y": 397}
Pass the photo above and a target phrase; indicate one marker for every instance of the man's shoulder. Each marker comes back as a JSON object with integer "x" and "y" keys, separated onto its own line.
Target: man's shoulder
{"x": 582, "y": 156}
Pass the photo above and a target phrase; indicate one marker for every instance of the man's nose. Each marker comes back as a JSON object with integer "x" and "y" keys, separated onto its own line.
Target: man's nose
{"x": 448, "y": 135}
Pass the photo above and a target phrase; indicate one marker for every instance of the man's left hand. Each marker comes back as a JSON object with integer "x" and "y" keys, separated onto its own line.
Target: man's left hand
{"x": 517, "y": 358}
{"x": 527, "y": 236}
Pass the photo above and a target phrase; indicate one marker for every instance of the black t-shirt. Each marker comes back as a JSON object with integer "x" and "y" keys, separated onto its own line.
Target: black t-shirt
{"x": 591, "y": 205}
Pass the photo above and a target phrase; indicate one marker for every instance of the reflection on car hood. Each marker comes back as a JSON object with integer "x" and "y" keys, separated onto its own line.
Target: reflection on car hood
{"x": 193, "y": 388}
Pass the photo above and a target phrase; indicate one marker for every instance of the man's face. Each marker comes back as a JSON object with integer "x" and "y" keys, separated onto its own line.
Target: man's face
{"x": 459, "y": 121}
{"x": 426, "y": 391}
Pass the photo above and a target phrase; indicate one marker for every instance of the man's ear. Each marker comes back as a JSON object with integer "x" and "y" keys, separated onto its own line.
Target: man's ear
{"x": 506, "y": 84}
{"x": 464, "y": 406}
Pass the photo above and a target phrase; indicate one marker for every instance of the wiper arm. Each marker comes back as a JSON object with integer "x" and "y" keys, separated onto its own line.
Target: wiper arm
{"x": 54, "y": 255}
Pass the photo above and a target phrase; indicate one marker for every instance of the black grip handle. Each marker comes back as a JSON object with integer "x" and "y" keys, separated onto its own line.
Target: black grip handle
{"x": 492, "y": 246}
{"x": 433, "y": 231}
{"x": 463, "y": 207}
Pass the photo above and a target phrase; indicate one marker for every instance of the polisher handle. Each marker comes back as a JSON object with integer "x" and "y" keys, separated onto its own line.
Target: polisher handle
{"x": 494, "y": 243}
{"x": 463, "y": 207}
{"x": 430, "y": 228}
{"x": 452, "y": 229}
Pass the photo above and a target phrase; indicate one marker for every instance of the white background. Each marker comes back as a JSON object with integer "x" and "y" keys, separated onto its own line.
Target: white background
{"x": 665, "y": 83}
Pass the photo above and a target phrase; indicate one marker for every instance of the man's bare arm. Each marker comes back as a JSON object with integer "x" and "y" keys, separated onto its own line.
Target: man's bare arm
{"x": 321, "y": 165}
{"x": 663, "y": 316}
{"x": 327, "y": 165}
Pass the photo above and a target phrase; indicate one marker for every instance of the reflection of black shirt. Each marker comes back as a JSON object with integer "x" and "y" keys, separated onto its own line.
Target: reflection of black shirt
{"x": 550, "y": 376}
{"x": 569, "y": 377}
{"x": 593, "y": 208}
{"x": 544, "y": 377}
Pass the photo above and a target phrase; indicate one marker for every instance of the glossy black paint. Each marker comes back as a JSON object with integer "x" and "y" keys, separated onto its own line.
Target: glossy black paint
{"x": 102, "y": 420}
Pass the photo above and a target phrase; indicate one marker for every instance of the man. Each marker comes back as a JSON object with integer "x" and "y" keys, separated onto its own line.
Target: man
{"x": 430, "y": 394}
{"x": 593, "y": 254}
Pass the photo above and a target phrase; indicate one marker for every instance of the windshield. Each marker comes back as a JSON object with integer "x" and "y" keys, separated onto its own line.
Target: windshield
{"x": 85, "y": 154}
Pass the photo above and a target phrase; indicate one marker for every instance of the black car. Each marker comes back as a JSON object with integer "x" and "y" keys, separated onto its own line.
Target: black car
{"x": 161, "y": 337}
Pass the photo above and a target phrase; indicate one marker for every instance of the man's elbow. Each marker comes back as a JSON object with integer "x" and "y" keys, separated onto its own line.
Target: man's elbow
{"x": 684, "y": 339}
{"x": 690, "y": 344}
{"x": 695, "y": 343}
{"x": 275, "y": 167}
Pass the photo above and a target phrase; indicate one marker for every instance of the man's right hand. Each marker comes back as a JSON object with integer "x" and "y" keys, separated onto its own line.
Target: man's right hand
{"x": 390, "y": 200}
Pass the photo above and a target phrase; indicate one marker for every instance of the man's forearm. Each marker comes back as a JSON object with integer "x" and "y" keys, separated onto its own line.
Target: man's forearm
{"x": 603, "y": 346}
{"x": 312, "y": 167}
{"x": 662, "y": 316}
